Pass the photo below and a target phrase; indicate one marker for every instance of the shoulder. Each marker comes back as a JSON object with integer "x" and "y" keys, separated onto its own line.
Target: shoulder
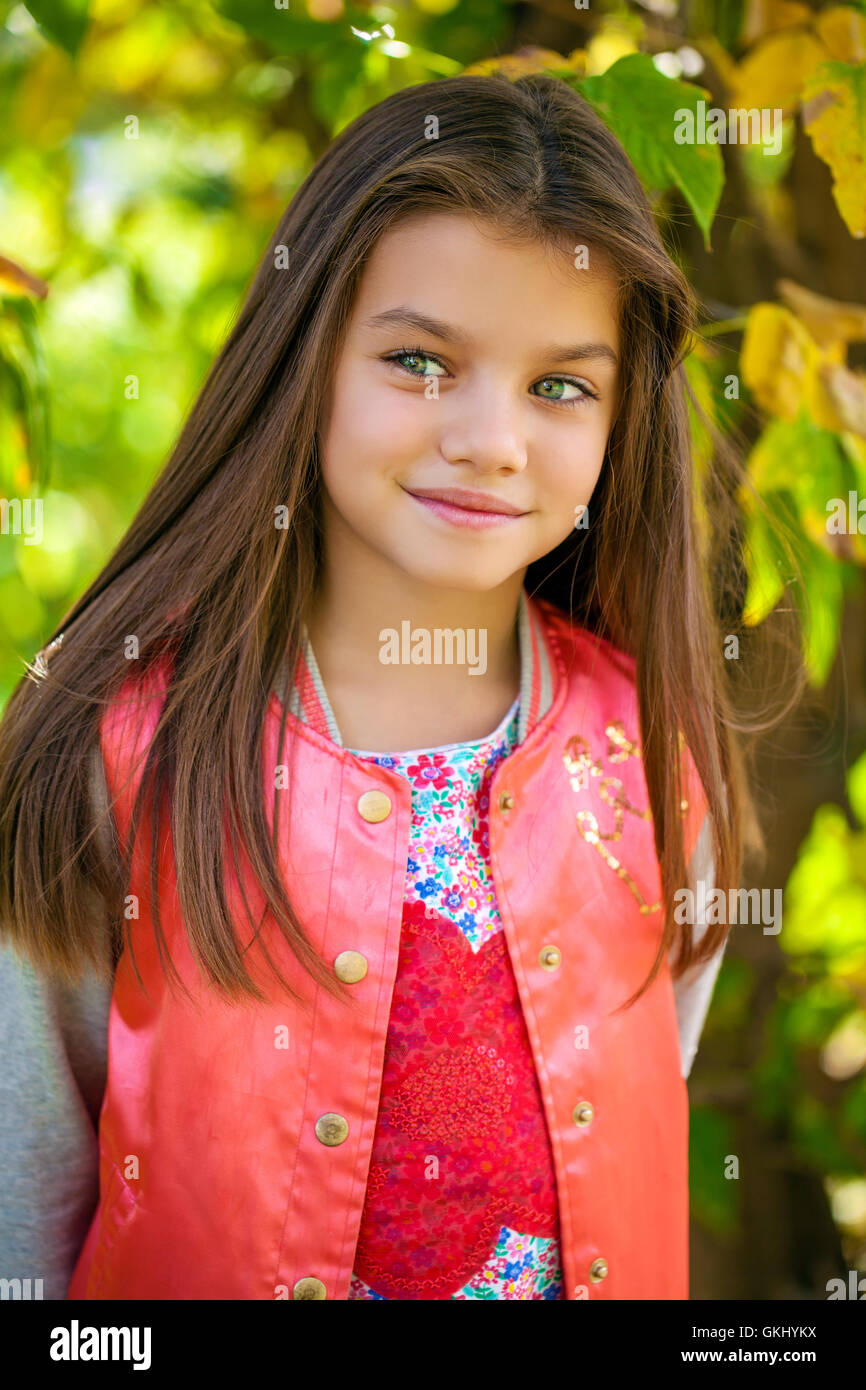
{"x": 135, "y": 699}
{"x": 581, "y": 653}
{"x": 601, "y": 698}
{"x": 131, "y": 716}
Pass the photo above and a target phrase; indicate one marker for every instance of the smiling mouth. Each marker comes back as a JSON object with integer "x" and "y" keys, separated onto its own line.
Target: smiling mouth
{"x": 463, "y": 507}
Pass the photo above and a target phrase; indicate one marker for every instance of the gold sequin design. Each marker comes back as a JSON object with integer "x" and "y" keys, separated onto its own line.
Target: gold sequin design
{"x": 581, "y": 766}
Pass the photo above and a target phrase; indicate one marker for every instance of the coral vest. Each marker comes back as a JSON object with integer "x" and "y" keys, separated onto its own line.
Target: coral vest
{"x": 235, "y": 1139}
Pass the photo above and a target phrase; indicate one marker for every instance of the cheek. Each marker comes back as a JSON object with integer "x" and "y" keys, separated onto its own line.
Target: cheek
{"x": 374, "y": 422}
{"x": 571, "y": 470}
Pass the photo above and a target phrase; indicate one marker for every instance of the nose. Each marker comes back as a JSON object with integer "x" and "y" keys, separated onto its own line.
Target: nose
{"x": 485, "y": 427}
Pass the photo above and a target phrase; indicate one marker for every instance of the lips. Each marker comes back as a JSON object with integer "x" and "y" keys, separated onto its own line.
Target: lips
{"x": 467, "y": 500}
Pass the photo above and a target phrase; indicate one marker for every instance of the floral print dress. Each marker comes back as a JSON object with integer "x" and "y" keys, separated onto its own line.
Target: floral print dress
{"x": 461, "y": 1194}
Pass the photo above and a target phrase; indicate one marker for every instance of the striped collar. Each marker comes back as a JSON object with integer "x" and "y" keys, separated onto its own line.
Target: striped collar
{"x": 309, "y": 703}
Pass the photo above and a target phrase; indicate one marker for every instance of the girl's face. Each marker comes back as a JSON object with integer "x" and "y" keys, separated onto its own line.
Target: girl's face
{"x": 471, "y": 403}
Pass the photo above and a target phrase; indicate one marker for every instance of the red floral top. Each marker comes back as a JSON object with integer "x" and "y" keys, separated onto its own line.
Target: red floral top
{"x": 461, "y": 1195}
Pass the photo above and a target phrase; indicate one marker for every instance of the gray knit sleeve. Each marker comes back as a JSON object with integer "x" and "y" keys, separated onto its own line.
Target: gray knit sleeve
{"x": 54, "y": 1046}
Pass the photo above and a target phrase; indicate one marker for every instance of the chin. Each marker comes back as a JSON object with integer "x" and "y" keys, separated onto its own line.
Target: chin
{"x": 469, "y": 573}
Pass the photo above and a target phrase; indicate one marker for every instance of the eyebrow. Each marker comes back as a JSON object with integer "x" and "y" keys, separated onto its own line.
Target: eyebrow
{"x": 402, "y": 316}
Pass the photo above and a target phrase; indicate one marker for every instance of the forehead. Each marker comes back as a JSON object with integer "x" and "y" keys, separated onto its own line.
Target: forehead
{"x": 477, "y": 276}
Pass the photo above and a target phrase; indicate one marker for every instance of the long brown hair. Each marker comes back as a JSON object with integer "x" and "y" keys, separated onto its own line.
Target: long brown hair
{"x": 204, "y": 573}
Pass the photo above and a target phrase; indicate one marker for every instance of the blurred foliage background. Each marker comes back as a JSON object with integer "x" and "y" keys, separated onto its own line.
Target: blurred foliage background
{"x": 147, "y": 149}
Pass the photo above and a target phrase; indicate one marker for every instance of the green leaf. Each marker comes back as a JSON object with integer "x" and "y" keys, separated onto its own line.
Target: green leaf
{"x": 796, "y": 460}
{"x": 856, "y": 780}
{"x": 810, "y": 1018}
{"x": 714, "y": 1197}
{"x": 293, "y": 31}
{"x": 822, "y": 613}
{"x": 815, "y": 1138}
{"x": 732, "y": 997}
{"x": 801, "y": 457}
{"x": 701, "y": 385}
{"x": 766, "y": 566}
{"x": 726, "y": 22}
{"x": 642, "y": 107}
{"x": 64, "y": 21}
{"x": 825, "y": 897}
{"x": 853, "y": 1108}
{"x": 23, "y": 362}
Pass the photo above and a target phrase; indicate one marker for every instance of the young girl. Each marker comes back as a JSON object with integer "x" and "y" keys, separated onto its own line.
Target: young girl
{"x": 403, "y": 709}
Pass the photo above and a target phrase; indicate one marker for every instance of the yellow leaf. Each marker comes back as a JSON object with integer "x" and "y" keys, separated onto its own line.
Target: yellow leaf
{"x": 776, "y": 355}
{"x": 834, "y": 115}
{"x": 577, "y": 59}
{"x": 525, "y": 60}
{"x": 766, "y": 16}
{"x": 785, "y": 368}
{"x": 828, "y": 320}
{"x": 843, "y": 30}
{"x": 15, "y": 280}
{"x": 49, "y": 100}
{"x": 129, "y": 57}
{"x": 613, "y": 41}
{"x": 836, "y": 398}
{"x": 772, "y": 75}
{"x": 193, "y": 68}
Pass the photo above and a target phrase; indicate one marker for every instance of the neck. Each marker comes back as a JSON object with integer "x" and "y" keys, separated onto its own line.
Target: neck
{"x": 388, "y": 677}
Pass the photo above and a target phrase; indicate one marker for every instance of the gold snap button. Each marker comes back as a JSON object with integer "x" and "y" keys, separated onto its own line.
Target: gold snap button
{"x": 550, "y": 958}
{"x": 374, "y": 806}
{"x": 350, "y": 967}
{"x": 582, "y": 1113}
{"x": 309, "y": 1287}
{"x": 332, "y": 1129}
{"x": 506, "y": 801}
{"x": 598, "y": 1270}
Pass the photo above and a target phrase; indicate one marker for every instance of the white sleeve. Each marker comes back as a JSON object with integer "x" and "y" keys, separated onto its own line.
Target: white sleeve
{"x": 694, "y": 989}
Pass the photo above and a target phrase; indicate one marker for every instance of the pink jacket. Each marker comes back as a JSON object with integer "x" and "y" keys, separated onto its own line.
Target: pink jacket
{"x": 235, "y": 1140}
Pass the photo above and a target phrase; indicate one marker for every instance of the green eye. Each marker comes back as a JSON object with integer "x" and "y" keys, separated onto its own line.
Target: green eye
{"x": 404, "y": 354}
{"x": 557, "y": 381}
